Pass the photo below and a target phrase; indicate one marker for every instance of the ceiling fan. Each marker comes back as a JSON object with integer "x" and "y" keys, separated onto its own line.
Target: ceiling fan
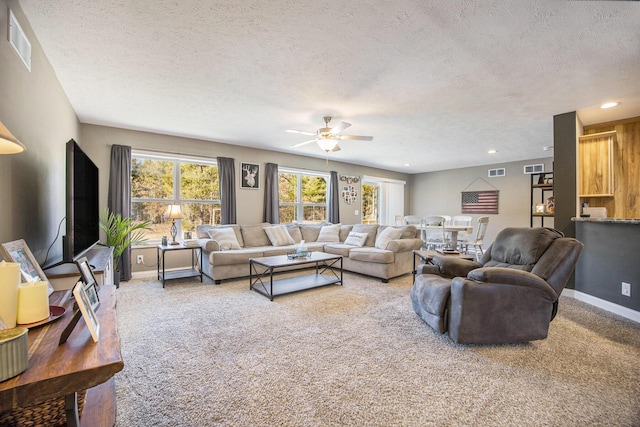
{"x": 328, "y": 138}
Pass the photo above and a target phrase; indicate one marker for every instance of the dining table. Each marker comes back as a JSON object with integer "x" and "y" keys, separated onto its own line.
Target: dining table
{"x": 452, "y": 229}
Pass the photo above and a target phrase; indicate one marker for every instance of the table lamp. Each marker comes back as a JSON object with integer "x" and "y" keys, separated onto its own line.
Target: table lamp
{"x": 9, "y": 144}
{"x": 174, "y": 213}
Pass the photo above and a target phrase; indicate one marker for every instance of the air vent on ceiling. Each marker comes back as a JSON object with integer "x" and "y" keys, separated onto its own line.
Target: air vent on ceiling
{"x": 19, "y": 40}
{"x": 497, "y": 172}
{"x": 533, "y": 168}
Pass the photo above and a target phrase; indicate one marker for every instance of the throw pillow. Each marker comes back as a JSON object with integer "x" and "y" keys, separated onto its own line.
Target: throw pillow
{"x": 225, "y": 237}
{"x": 387, "y": 235}
{"x": 278, "y": 235}
{"x": 329, "y": 233}
{"x": 356, "y": 239}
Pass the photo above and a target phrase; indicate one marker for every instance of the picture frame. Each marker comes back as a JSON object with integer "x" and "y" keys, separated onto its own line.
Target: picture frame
{"x": 540, "y": 208}
{"x": 89, "y": 315}
{"x": 250, "y": 176}
{"x": 89, "y": 280}
{"x": 30, "y": 271}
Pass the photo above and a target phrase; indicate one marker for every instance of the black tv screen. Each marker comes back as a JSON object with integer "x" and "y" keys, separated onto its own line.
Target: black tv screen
{"x": 82, "y": 209}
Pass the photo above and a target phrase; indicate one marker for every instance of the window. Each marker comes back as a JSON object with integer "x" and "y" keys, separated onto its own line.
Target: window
{"x": 158, "y": 181}
{"x": 303, "y": 196}
{"x": 370, "y": 196}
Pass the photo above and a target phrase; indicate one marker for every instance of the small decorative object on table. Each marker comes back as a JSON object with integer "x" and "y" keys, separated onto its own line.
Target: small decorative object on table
{"x": 14, "y": 349}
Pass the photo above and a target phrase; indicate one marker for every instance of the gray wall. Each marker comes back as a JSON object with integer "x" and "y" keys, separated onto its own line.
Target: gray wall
{"x": 98, "y": 140}
{"x": 439, "y": 193}
{"x": 35, "y": 109}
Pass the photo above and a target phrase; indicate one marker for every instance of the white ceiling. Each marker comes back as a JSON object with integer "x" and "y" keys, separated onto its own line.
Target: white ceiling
{"x": 436, "y": 82}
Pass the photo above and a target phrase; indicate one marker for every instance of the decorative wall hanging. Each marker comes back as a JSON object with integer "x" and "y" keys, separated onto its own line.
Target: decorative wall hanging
{"x": 480, "y": 202}
{"x": 349, "y": 194}
{"x": 349, "y": 179}
{"x": 250, "y": 176}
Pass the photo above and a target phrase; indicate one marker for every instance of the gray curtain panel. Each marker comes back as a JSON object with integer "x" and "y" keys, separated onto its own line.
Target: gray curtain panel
{"x": 227, "y": 178}
{"x": 271, "y": 212}
{"x": 334, "y": 199}
{"x": 119, "y": 196}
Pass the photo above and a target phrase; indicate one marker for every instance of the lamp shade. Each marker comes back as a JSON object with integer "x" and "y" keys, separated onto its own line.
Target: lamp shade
{"x": 9, "y": 144}
{"x": 174, "y": 212}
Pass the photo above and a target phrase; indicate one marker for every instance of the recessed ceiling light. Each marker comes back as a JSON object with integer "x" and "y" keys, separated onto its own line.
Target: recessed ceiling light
{"x": 609, "y": 105}
{"x": 407, "y": 164}
{"x": 492, "y": 151}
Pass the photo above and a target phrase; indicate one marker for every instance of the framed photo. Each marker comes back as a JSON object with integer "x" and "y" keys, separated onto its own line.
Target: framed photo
{"x": 89, "y": 281}
{"x": 30, "y": 270}
{"x": 541, "y": 208}
{"x": 250, "y": 176}
{"x": 90, "y": 318}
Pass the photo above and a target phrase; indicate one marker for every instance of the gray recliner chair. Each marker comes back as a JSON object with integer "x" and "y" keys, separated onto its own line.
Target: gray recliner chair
{"x": 510, "y": 296}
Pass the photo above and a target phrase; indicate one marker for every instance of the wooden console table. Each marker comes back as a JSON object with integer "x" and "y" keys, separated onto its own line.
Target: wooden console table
{"x": 61, "y": 371}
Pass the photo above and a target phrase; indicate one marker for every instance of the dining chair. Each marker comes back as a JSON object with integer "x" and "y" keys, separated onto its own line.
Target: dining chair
{"x": 399, "y": 220}
{"x": 462, "y": 220}
{"x": 433, "y": 233}
{"x": 476, "y": 241}
{"x": 412, "y": 219}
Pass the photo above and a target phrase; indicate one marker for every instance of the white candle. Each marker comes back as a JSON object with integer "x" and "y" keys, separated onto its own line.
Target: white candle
{"x": 33, "y": 302}
{"x": 9, "y": 282}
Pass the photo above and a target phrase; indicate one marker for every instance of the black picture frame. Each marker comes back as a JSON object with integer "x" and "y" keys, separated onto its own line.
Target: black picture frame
{"x": 250, "y": 176}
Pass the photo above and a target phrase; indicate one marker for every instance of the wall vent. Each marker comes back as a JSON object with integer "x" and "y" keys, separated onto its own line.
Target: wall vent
{"x": 497, "y": 172}
{"x": 529, "y": 169}
{"x": 19, "y": 40}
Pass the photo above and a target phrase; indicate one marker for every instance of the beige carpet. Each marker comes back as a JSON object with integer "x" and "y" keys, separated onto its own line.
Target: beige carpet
{"x": 205, "y": 355}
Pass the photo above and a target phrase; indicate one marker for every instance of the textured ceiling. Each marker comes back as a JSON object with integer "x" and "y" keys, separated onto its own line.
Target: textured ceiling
{"x": 436, "y": 82}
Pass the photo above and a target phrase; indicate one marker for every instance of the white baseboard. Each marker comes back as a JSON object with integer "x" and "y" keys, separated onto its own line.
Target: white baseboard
{"x": 603, "y": 304}
{"x": 150, "y": 274}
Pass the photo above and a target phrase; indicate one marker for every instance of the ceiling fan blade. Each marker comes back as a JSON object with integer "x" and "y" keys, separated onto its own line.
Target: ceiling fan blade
{"x": 357, "y": 137}
{"x": 300, "y": 131}
{"x": 305, "y": 143}
{"x": 337, "y": 129}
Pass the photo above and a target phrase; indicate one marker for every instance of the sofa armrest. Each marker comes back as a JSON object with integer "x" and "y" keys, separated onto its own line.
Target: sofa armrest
{"x": 209, "y": 245}
{"x": 453, "y": 267}
{"x": 512, "y": 277}
{"x": 404, "y": 245}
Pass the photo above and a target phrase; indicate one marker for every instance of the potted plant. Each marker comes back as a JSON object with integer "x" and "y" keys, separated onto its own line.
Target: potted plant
{"x": 121, "y": 232}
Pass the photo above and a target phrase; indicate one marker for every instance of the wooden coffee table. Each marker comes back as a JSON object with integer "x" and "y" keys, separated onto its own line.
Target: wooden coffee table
{"x": 328, "y": 271}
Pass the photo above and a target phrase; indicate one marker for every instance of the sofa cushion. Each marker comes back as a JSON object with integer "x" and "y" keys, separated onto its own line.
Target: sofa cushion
{"x": 240, "y": 256}
{"x": 344, "y": 232}
{"x": 202, "y": 231}
{"x": 278, "y": 235}
{"x": 225, "y": 237}
{"x": 517, "y": 248}
{"x": 356, "y": 239}
{"x": 254, "y": 235}
{"x": 329, "y": 233}
{"x": 338, "y": 249}
{"x": 310, "y": 232}
{"x": 376, "y": 255}
{"x": 387, "y": 235}
{"x": 409, "y": 232}
{"x": 370, "y": 229}
{"x": 294, "y": 232}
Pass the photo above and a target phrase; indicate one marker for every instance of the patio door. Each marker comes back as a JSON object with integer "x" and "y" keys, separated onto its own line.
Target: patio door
{"x": 382, "y": 200}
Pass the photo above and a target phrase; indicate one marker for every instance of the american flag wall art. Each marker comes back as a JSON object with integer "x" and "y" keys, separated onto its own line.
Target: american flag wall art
{"x": 477, "y": 202}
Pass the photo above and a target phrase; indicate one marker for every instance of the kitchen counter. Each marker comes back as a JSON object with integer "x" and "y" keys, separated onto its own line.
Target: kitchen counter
{"x": 607, "y": 220}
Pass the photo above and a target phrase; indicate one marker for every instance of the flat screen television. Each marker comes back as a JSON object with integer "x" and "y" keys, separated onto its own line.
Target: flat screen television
{"x": 82, "y": 210}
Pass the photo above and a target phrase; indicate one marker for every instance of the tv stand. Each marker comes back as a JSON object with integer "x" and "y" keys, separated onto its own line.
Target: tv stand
{"x": 64, "y": 275}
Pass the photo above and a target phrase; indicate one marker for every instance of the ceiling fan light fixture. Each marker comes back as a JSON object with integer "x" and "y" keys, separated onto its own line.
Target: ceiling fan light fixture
{"x": 327, "y": 144}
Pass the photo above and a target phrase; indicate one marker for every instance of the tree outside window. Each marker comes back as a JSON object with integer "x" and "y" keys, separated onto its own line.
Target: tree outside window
{"x": 157, "y": 182}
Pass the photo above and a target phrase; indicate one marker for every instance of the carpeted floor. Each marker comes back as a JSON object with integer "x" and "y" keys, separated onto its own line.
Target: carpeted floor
{"x": 205, "y": 355}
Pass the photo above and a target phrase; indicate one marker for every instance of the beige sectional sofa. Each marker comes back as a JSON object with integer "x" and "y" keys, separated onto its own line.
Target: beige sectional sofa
{"x": 366, "y": 248}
